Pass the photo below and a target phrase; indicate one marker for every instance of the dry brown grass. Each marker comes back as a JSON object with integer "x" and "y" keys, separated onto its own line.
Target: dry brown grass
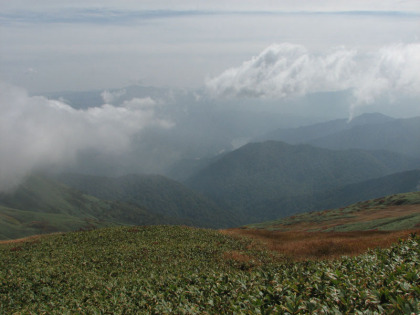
{"x": 321, "y": 245}
{"x": 237, "y": 256}
{"x": 241, "y": 260}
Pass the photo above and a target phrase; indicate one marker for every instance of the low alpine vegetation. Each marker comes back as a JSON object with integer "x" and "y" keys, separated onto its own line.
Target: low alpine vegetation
{"x": 173, "y": 269}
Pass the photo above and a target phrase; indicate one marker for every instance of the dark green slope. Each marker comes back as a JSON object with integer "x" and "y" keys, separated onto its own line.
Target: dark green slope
{"x": 41, "y": 205}
{"x": 408, "y": 181}
{"x": 250, "y": 178}
{"x": 158, "y": 194}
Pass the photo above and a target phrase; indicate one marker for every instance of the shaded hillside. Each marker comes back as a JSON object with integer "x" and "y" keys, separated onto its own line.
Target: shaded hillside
{"x": 407, "y": 181}
{"x": 158, "y": 194}
{"x": 41, "y": 205}
{"x": 250, "y": 178}
{"x": 394, "y": 212}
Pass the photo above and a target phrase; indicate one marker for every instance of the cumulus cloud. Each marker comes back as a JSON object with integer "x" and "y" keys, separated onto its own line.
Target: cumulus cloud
{"x": 393, "y": 71}
{"x": 288, "y": 70}
{"x": 37, "y": 132}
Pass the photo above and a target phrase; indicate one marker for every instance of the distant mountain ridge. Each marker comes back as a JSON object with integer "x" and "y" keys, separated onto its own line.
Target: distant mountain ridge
{"x": 399, "y": 135}
{"x": 367, "y": 132}
{"x": 304, "y": 134}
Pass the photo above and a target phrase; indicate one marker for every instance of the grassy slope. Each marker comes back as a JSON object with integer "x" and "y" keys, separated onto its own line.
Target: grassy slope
{"x": 16, "y": 223}
{"x": 181, "y": 270}
{"x": 395, "y": 212}
{"x": 44, "y": 206}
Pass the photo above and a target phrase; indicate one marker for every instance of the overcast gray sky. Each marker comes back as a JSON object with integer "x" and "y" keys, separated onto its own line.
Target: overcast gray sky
{"x": 81, "y": 45}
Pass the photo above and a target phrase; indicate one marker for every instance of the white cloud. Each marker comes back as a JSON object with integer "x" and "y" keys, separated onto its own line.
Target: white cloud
{"x": 394, "y": 69}
{"x": 38, "y": 132}
{"x": 285, "y": 70}
{"x": 288, "y": 70}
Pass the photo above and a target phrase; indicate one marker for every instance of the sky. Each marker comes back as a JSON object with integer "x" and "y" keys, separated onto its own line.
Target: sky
{"x": 82, "y": 45}
{"x": 231, "y": 51}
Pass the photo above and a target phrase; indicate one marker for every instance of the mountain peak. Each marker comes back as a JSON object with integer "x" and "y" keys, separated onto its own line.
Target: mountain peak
{"x": 370, "y": 118}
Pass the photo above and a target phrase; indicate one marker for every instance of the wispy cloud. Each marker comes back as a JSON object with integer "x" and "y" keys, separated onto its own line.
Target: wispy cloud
{"x": 111, "y": 16}
{"x": 95, "y": 16}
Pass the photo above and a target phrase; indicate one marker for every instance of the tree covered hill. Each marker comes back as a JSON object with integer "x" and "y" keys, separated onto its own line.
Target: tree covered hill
{"x": 158, "y": 194}
{"x": 250, "y": 178}
{"x": 341, "y": 196}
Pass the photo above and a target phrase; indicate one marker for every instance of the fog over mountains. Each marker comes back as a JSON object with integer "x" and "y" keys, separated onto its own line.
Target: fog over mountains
{"x": 141, "y": 129}
{"x": 158, "y": 130}
{"x": 174, "y": 156}
{"x": 202, "y": 114}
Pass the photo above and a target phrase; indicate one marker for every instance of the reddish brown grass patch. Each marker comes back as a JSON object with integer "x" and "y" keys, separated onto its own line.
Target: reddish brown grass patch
{"x": 321, "y": 245}
{"x": 241, "y": 260}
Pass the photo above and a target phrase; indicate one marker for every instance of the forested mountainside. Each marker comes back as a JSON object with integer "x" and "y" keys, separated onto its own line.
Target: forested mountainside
{"x": 159, "y": 194}
{"x": 253, "y": 178}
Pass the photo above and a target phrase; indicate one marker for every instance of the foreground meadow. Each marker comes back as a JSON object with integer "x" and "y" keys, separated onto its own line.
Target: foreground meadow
{"x": 174, "y": 269}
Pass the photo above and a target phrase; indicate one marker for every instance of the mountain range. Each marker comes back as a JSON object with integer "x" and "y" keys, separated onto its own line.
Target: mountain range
{"x": 259, "y": 181}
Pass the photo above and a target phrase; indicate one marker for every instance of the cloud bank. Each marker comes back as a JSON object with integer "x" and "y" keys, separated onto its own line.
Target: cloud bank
{"x": 37, "y": 132}
{"x": 288, "y": 70}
